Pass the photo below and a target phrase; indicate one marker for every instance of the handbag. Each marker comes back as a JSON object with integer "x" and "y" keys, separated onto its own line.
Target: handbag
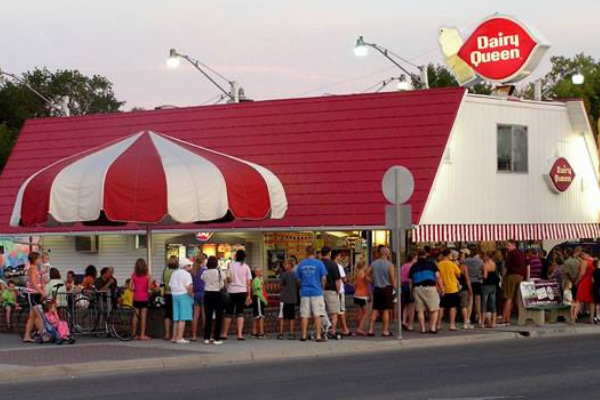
{"x": 224, "y": 293}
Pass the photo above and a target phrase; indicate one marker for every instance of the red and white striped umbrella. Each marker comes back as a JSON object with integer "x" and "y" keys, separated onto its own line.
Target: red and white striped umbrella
{"x": 149, "y": 178}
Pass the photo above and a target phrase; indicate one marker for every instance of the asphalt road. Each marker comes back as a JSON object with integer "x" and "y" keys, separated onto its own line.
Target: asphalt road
{"x": 557, "y": 368}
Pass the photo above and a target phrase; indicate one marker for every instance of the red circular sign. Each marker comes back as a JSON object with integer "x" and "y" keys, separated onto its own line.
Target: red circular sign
{"x": 499, "y": 49}
{"x": 561, "y": 175}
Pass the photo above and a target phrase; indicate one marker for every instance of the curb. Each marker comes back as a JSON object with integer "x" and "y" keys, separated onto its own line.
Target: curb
{"x": 28, "y": 373}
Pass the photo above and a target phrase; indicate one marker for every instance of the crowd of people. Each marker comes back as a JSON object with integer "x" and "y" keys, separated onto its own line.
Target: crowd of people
{"x": 440, "y": 284}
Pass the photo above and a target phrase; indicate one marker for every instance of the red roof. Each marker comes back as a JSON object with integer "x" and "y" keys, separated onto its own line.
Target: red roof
{"x": 329, "y": 152}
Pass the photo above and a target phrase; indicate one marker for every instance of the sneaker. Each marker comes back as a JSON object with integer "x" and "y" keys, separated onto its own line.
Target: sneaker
{"x": 217, "y": 342}
{"x": 263, "y": 336}
{"x": 292, "y": 337}
{"x": 182, "y": 341}
{"x": 207, "y": 342}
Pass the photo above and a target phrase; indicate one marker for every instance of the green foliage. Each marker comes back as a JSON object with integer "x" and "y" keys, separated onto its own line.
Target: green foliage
{"x": 86, "y": 95}
{"x": 557, "y": 84}
{"x": 440, "y": 76}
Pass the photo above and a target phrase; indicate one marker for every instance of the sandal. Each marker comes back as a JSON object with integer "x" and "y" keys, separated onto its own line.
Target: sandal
{"x": 321, "y": 340}
{"x": 280, "y": 337}
{"x": 387, "y": 335}
{"x": 433, "y": 332}
{"x": 303, "y": 339}
{"x": 370, "y": 334}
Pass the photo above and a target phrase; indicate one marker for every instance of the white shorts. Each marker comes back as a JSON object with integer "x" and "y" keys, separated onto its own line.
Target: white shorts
{"x": 313, "y": 306}
{"x": 332, "y": 302}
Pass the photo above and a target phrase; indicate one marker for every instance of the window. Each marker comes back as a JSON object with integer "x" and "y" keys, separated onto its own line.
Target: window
{"x": 512, "y": 148}
{"x": 141, "y": 241}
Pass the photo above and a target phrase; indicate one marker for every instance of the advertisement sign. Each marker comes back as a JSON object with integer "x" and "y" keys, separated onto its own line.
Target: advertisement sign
{"x": 560, "y": 176}
{"x": 500, "y": 49}
{"x": 203, "y": 236}
{"x": 541, "y": 293}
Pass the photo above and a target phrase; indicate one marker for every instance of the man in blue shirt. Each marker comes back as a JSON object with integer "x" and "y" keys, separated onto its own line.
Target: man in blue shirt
{"x": 312, "y": 275}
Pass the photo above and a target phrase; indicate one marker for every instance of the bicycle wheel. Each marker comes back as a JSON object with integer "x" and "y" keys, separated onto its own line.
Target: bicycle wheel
{"x": 84, "y": 315}
{"x": 120, "y": 322}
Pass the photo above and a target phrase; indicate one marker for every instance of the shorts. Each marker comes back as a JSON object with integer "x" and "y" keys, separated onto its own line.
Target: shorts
{"x": 34, "y": 299}
{"x": 406, "y": 297}
{"x": 597, "y": 295}
{"x": 427, "y": 298}
{"x": 236, "y": 305}
{"x": 332, "y": 302}
{"x": 182, "y": 307}
{"x": 511, "y": 286}
{"x": 383, "y": 298}
{"x": 450, "y": 300}
{"x": 342, "y": 303}
{"x": 287, "y": 311}
{"x": 313, "y": 306}
{"x": 476, "y": 286}
{"x": 199, "y": 299}
{"x": 258, "y": 308}
{"x": 168, "y": 306}
{"x": 360, "y": 302}
{"x": 140, "y": 304}
{"x": 464, "y": 298}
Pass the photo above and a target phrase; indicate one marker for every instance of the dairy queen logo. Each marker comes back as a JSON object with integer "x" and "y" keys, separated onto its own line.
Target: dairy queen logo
{"x": 561, "y": 175}
{"x": 500, "y": 50}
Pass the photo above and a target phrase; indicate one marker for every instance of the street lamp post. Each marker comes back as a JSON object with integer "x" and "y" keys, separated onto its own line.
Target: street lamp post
{"x": 577, "y": 78}
{"x": 361, "y": 49}
{"x": 235, "y": 93}
{"x": 62, "y": 109}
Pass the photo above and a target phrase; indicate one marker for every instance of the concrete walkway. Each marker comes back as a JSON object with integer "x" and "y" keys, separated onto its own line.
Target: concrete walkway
{"x": 20, "y": 361}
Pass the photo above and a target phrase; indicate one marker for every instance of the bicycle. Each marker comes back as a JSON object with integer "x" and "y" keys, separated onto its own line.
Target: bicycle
{"x": 92, "y": 312}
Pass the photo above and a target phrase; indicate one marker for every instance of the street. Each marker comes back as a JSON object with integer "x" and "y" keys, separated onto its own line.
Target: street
{"x": 555, "y": 368}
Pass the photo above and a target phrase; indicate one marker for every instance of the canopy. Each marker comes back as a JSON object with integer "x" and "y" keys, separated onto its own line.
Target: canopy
{"x": 148, "y": 178}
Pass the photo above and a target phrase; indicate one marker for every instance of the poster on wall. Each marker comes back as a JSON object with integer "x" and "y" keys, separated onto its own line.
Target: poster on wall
{"x": 275, "y": 262}
{"x": 540, "y": 293}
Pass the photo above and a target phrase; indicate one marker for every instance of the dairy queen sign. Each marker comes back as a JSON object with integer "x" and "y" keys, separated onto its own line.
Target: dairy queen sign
{"x": 500, "y": 49}
{"x": 560, "y": 176}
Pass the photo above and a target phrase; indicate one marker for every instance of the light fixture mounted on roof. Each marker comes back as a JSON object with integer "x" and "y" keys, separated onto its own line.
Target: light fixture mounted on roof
{"x": 361, "y": 49}
{"x": 235, "y": 93}
{"x": 577, "y": 78}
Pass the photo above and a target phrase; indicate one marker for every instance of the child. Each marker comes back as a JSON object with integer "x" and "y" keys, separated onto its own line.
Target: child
{"x": 288, "y": 299}
{"x": 9, "y": 300}
{"x": 596, "y": 281}
{"x": 568, "y": 299}
{"x": 362, "y": 297}
{"x": 259, "y": 302}
{"x": 127, "y": 296}
{"x": 61, "y": 326}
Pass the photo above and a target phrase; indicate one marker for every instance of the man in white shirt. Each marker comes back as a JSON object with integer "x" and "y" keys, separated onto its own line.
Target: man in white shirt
{"x": 337, "y": 258}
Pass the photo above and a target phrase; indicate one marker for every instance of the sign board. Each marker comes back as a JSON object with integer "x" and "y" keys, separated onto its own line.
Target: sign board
{"x": 203, "y": 236}
{"x": 560, "y": 176}
{"x": 500, "y": 49}
{"x": 397, "y": 185}
{"x": 540, "y": 294}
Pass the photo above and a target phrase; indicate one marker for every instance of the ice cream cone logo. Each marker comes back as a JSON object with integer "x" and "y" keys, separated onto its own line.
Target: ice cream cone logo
{"x": 500, "y": 50}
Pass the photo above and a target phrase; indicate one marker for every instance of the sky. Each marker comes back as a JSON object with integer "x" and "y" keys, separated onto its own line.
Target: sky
{"x": 274, "y": 48}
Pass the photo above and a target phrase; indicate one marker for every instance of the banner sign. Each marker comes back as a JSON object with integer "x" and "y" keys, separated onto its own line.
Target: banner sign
{"x": 500, "y": 49}
{"x": 541, "y": 293}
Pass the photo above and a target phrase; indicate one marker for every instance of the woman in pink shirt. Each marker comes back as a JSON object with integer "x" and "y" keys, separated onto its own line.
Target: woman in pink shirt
{"x": 140, "y": 286}
{"x": 239, "y": 282}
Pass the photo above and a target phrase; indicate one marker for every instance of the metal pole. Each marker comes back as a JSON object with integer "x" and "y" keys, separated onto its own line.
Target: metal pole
{"x": 397, "y": 250}
{"x": 149, "y": 248}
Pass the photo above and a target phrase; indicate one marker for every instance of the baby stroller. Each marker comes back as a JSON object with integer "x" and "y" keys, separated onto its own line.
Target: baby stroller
{"x": 50, "y": 334}
{"x": 325, "y": 326}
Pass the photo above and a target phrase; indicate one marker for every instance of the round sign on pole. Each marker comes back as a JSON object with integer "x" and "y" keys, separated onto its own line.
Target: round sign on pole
{"x": 397, "y": 185}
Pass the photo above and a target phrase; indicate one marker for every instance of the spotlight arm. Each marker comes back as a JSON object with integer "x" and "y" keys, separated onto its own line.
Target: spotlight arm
{"x": 196, "y": 65}
{"x": 49, "y": 102}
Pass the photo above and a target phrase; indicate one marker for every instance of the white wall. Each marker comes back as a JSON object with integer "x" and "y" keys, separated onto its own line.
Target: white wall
{"x": 119, "y": 251}
{"x": 469, "y": 190}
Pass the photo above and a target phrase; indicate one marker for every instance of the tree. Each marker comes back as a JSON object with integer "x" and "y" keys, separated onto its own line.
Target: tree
{"x": 440, "y": 76}
{"x": 83, "y": 95}
{"x": 557, "y": 84}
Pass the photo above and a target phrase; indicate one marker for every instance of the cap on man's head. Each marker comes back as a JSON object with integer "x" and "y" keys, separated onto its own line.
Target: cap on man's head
{"x": 184, "y": 263}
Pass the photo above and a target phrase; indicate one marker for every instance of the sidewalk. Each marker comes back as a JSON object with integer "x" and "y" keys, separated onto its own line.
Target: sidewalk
{"x": 20, "y": 361}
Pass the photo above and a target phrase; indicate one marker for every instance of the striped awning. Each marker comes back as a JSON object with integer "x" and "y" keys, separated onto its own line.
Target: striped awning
{"x": 502, "y": 232}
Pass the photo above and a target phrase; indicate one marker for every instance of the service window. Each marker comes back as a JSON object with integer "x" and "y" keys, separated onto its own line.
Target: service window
{"x": 512, "y": 148}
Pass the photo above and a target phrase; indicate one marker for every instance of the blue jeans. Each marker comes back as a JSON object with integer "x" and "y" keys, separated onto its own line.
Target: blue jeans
{"x": 488, "y": 299}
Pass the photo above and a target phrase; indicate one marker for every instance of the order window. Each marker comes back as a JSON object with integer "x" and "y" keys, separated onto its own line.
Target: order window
{"x": 512, "y": 148}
